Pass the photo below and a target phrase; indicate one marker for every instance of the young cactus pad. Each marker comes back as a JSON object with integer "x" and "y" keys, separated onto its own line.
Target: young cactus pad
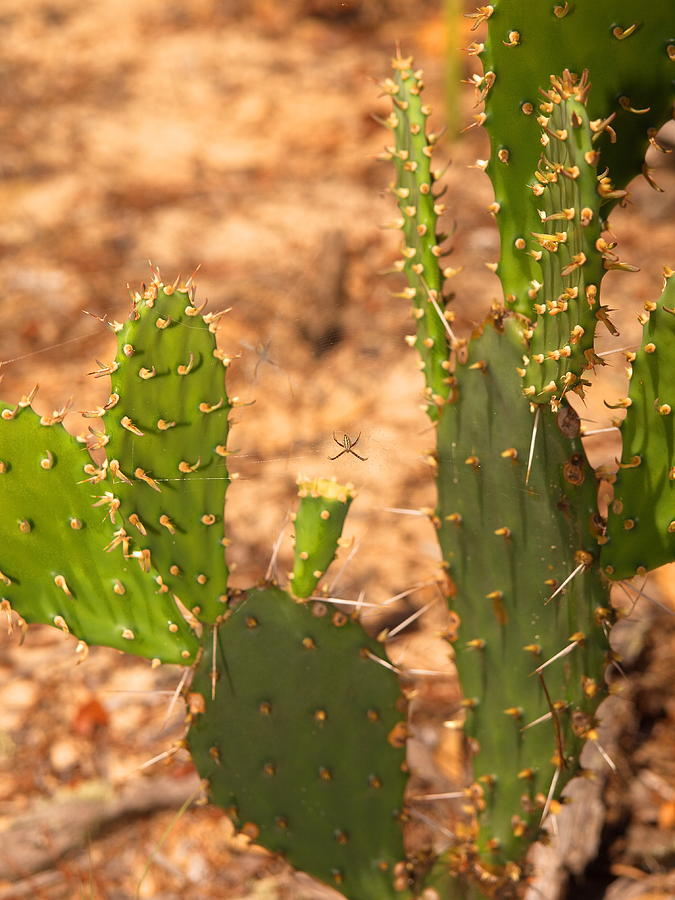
{"x": 418, "y": 222}
{"x": 302, "y": 741}
{"x": 565, "y": 302}
{"x": 318, "y": 528}
{"x": 54, "y": 565}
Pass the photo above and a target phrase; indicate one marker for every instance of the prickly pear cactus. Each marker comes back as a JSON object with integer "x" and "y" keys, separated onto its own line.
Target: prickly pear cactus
{"x": 564, "y": 304}
{"x": 530, "y": 656}
{"x": 297, "y": 720}
{"x": 517, "y": 517}
{"x": 167, "y": 445}
{"x": 420, "y": 209}
{"x": 519, "y": 527}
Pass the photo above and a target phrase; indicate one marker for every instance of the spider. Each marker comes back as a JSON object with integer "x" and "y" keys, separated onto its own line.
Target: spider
{"x": 348, "y": 447}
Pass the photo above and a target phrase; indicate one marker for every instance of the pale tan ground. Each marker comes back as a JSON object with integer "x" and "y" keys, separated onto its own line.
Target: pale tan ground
{"x": 242, "y": 139}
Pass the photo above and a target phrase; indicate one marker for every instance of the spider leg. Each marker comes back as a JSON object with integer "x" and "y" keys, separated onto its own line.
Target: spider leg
{"x": 354, "y": 443}
{"x": 339, "y": 443}
{"x": 338, "y": 456}
{"x": 362, "y": 458}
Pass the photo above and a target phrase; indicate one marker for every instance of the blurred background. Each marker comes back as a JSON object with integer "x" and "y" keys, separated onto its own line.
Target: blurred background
{"x": 239, "y": 136}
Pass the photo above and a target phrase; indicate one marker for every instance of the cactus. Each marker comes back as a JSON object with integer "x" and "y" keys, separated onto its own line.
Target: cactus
{"x": 422, "y": 242}
{"x": 530, "y": 660}
{"x": 508, "y": 546}
{"x": 567, "y": 247}
{"x": 296, "y": 718}
{"x": 168, "y": 445}
{"x": 526, "y": 550}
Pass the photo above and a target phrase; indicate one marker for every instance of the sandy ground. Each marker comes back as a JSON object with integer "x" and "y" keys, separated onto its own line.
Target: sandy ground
{"x": 240, "y": 137}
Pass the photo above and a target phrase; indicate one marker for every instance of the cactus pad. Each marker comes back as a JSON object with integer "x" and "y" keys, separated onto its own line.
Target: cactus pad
{"x": 641, "y": 521}
{"x": 509, "y": 542}
{"x": 53, "y": 564}
{"x": 318, "y": 529}
{"x": 565, "y": 298}
{"x": 419, "y": 209}
{"x": 304, "y": 743}
{"x": 168, "y": 415}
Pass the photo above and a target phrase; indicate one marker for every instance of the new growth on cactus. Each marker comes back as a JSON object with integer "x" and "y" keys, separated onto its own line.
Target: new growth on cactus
{"x": 319, "y": 521}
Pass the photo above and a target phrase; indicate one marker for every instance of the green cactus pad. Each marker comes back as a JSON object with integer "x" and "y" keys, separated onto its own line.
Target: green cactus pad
{"x": 419, "y": 223}
{"x": 508, "y": 543}
{"x": 565, "y": 298}
{"x": 304, "y": 743}
{"x": 318, "y": 529}
{"x": 53, "y": 564}
{"x": 167, "y": 421}
{"x": 628, "y": 48}
{"x": 641, "y": 521}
